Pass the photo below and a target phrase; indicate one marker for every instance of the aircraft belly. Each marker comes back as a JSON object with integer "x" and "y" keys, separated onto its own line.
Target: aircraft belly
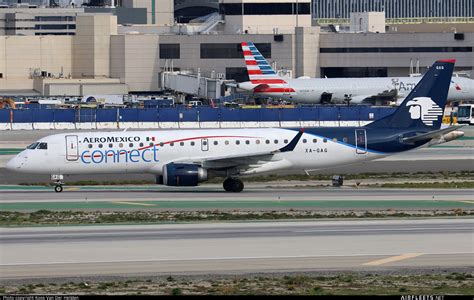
{"x": 327, "y": 155}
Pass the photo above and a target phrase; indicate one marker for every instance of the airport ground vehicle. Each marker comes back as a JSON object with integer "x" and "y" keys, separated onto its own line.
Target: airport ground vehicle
{"x": 188, "y": 157}
{"x": 466, "y": 114}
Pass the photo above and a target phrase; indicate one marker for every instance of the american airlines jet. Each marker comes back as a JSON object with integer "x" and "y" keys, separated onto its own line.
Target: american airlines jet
{"x": 265, "y": 82}
{"x": 188, "y": 157}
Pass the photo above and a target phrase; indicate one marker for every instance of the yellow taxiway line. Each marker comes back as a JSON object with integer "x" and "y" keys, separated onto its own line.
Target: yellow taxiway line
{"x": 387, "y": 260}
{"x": 72, "y": 189}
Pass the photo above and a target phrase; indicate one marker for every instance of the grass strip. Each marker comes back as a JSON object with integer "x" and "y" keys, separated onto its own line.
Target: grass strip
{"x": 46, "y": 217}
{"x": 455, "y": 283}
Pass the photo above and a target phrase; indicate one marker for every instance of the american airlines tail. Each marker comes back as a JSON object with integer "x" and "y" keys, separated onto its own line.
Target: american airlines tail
{"x": 261, "y": 74}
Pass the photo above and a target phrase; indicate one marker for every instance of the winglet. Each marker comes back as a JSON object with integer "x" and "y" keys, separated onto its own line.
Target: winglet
{"x": 291, "y": 146}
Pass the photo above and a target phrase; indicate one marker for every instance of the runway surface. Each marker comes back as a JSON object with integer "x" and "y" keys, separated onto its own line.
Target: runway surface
{"x": 15, "y": 198}
{"x": 235, "y": 247}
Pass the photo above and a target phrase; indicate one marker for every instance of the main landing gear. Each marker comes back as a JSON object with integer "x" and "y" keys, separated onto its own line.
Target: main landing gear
{"x": 58, "y": 184}
{"x": 234, "y": 185}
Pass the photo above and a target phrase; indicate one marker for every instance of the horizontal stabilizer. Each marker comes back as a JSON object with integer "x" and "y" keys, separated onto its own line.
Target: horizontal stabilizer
{"x": 430, "y": 135}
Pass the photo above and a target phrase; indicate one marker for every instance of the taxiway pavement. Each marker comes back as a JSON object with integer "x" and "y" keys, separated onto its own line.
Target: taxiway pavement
{"x": 257, "y": 197}
{"x": 235, "y": 247}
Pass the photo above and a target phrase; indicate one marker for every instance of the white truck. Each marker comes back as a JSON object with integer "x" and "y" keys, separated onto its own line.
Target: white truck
{"x": 466, "y": 114}
{"x": 104, "y": 100}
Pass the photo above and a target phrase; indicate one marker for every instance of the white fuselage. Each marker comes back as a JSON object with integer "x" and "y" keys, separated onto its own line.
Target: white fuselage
{"x": 310, "y": 90}
{"x": 149, "y": 151}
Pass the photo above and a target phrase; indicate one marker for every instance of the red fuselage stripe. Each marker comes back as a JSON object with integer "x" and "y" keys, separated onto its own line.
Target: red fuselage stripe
{"x": 273, "y": 90}
{"x": 268, "y": 81}
{"x": 180, "y": 140}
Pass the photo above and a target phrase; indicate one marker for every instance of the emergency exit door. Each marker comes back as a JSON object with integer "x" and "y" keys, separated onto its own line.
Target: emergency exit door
{"x": 204, "y": 145}
{"x": 361, "y": 141}
{"x": 72, "y": 151}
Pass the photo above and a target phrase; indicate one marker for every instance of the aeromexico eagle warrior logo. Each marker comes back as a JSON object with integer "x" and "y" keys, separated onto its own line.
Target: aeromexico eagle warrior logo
{"x": 425, "y": 109}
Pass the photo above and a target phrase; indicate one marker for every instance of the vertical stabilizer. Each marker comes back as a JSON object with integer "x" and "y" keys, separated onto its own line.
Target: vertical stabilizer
{"x": 259, "y": 70}
{"x": 424, "y": 106}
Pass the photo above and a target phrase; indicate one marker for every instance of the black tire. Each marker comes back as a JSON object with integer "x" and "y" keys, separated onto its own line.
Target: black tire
{"x": 227, "y": 185}
{"x": 237, "y": 186}
{"x": 233, "y": 185}
{"x": 58, "y": 188}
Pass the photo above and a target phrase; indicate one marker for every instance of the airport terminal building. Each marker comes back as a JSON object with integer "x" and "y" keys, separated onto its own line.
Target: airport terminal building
{"x": 104, "y": 57}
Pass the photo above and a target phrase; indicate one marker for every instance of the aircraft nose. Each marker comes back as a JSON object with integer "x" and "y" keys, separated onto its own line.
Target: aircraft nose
{"x": 13, "y": 164}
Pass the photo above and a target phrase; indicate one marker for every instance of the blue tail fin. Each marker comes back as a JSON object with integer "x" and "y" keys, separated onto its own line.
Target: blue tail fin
{"x": 424, "y": 106}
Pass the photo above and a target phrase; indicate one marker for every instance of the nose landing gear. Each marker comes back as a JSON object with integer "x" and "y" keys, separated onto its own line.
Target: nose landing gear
{"x": 234, "y": 185}
{"x": 58, "y": 188}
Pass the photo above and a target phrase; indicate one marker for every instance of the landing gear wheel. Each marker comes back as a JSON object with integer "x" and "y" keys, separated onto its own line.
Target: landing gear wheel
{"x": 58, "y": 188}
{"x": 226, "y": 184}
{"x": 233, "y": 185}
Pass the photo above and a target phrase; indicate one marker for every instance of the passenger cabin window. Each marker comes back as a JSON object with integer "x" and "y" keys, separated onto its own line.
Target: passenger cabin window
{"x": 325, "y": 140}
{"x": 32, "y": 146}
{"x": 130, "y": 145}
{"x": 237, "y": 142}
{"x": 304, "y": 141}
{"x": 285, "y": 141}
{"x": 90, "y": 146}
{"x": 267, "y": 142}
{"x": 315, "y": 141}
{"x": 111, "y": 145}
{"x": 192, "y": 143}
{"x": 276, "y": 141}
{"x": 247, "y": 142}
{"x": 100, "y": 145}
{"x": 181, "y": 143}
{"x": 42, "y": 146}
{"x": 215, "y": 143}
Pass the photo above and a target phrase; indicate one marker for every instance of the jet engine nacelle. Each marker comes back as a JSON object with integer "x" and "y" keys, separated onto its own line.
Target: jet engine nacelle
{"x": 183, "y": 174}
{"x": 446, "y": 138}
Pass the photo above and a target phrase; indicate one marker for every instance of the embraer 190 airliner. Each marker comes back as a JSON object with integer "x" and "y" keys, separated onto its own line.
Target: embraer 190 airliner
{"x": 188, "y": 157}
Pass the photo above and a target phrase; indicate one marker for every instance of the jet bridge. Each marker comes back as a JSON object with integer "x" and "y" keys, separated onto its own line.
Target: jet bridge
{"x": 212, "y": 87}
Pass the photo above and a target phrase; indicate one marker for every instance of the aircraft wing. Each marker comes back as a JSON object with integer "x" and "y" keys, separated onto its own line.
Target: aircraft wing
{"x": 245, "y": 161}
{"x": 385, "y": 95}
{"x": 430, "y": 135}
{"x": 360, "y": 99}
{"x": 235, "y": 85}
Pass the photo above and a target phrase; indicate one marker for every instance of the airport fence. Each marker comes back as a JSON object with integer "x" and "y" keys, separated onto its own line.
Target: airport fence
{"x": 196, "y": 117}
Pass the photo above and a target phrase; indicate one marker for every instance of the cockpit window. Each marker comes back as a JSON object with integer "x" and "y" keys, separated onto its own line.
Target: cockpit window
{"x": 42, "y": 146}
{"x": 32, "y": 146}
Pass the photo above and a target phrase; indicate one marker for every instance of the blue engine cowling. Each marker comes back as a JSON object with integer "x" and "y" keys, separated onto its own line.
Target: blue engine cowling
{"x": 183, "y": 174}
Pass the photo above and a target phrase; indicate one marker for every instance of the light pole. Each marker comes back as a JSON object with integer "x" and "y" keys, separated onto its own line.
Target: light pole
{"x": 297, "y": 9}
